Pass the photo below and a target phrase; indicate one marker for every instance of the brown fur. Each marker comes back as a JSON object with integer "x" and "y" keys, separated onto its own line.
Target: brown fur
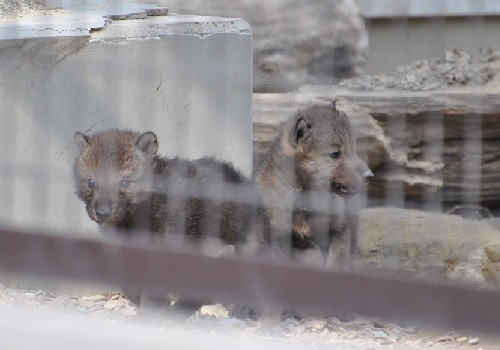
{"x": 171, "y": 197}
{"x": 305, "y": 184}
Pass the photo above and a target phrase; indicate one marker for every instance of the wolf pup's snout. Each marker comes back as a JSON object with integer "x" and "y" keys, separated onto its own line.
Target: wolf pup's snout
{"x": 364, "y": 171}
{"x": 103, "y": 210}
{"x": 368, "y": 176}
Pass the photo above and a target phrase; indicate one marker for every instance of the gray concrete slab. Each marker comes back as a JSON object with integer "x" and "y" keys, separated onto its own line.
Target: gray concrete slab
{"x": 72, "y": 18}
{"x": 187, "y": 78}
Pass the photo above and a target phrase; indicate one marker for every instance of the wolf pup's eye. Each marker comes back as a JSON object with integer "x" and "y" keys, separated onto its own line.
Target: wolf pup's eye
{"x": 335, "y": 154}
{"x": 125, "y": 183}
{"x": 90, "y": 183}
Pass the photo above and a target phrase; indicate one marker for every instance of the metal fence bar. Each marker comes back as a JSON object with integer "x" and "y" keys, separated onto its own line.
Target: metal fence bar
{"x": 158, "y": 269}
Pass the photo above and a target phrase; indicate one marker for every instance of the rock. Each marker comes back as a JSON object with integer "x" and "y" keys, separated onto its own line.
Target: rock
{"x": 296, "y": 42}
{"x": 445, "y": 118}
{"x": 334, "y": 322}
{"x": 471, "y": 268}
{"x": 59, "y": 302}
{"x": 447, "y": 338}
{"x": 129, "y": 311}
{"x": 457, "y": 68}
{"x": 86, "y": 303}
{"x": 16, "y": 7}
{"x": 217, "y": 310}
{"x": 473, "y": 341}
{"x": 96, "y": 298}
{"x": 3, "y": 295}
{"x": 379, "y": 334}
{"x": 114, "y": 304}
{"x": 314, "y": 324}
{"x": 394, "y": 327}
{"x": 96, "y": 307}
{"x": 493, "y": 253}
{"x": 30, "y": 295}
{"x": 461, "y": 339}
{"x": 427, "y": 245}
{"x": 232, "y": 322}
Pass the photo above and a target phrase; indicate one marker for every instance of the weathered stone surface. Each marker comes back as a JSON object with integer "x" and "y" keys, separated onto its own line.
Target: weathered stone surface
{"x": 296, "y": 42}
{"x": 456, "y": 69}
{"x": 217, "y": 310}
{"x": 429, "y": 245}
{"x": 449, "y": 142}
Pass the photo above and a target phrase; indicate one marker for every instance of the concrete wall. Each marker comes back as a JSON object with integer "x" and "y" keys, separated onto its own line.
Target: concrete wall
{"x": 187, "y": 78}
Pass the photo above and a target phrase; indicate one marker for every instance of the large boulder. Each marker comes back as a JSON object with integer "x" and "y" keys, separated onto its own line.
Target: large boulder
{"x": 296, "y": 42}
{"x": 424, "y": 244}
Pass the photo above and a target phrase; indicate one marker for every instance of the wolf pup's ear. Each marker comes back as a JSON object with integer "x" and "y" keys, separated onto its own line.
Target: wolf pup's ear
{"x": 301, "y": 131}
{"x": 147, "y": 143}
{"x": 82, "y": 141}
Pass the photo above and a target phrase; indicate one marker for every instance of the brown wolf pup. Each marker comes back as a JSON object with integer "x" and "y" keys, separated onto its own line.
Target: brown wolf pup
{"x": 128, "y": 188}
{"x": 309, "y": 173}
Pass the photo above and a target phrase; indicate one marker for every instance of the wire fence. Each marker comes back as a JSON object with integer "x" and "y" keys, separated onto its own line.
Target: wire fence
{"x": 345, "y": 212}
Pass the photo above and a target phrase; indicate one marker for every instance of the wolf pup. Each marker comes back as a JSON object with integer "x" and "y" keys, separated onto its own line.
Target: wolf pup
{"x": 127, "y": 187}
{"x": 310, "y": 171}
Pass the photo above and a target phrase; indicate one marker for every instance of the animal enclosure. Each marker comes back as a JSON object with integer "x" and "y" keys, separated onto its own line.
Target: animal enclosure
{"x": 201, "y": 165}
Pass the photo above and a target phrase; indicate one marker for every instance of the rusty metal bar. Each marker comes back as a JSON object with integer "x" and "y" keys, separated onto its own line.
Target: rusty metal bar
{"x": 159, "y": 269}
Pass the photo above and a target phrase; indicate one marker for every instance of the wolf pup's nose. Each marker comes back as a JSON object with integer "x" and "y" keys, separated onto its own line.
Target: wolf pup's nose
{"x": 367, "y": 176}
{"x": 103, "y": 211}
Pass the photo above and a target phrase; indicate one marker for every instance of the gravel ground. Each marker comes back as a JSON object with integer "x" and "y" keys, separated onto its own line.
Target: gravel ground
{"x": 218, "y": 319}
{"x": 456, "y": 70}
{"x": 12, "y": 8}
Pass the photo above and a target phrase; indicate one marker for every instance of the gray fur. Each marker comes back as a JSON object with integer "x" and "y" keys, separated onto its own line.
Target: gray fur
{"x": 133, "y": 189}
{"x": 307, "y": 180}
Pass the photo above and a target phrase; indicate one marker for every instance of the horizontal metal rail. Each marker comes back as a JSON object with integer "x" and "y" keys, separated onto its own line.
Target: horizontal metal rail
{"x": 155, "y": 268}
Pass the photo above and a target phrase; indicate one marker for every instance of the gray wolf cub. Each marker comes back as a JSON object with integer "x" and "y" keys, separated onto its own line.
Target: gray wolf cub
{"x": 310, "y": 172}
{"x": 127, "y": 187}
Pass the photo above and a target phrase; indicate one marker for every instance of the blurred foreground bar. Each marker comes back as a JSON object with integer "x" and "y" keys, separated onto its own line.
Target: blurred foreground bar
{"x": 158, "y": 269}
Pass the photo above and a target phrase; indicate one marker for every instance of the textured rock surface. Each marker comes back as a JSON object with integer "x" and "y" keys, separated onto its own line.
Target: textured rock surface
{"x": 456, "y": 69}
{"x": 16, "y": 7}
{"x": 296, "y": 42}
{"x": 430, "y": 245}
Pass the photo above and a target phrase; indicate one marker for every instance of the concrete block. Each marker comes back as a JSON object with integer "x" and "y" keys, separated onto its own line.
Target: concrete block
{"x": 187, "y": 78}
